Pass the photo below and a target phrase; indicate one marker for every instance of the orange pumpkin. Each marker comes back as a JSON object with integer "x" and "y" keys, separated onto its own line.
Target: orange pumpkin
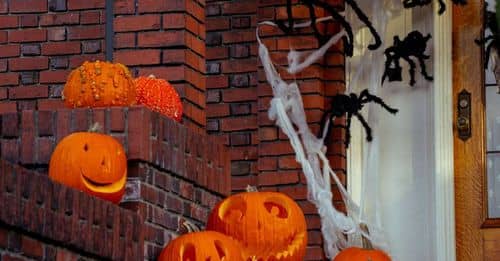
{"x": 91, "y": 162}
{"x": 202, "y": 246}
{"x": 366, "y": 253}
{"x": 159, "y": 96}
{"x": 269, "y": 225}
{"x": 99, "y": 84}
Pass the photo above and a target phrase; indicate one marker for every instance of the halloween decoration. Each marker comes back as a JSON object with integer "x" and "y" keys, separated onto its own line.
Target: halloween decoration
{"x": 288, "y": 27}
{"x": 202, "y": 246}
{"x": 442, "y": 6}
{"x": 287, "y": 110}
{"x": 99, "y": 84}
{"x": 492, "y": 43}
{"x": 159, "y": 96}
{"x": 414, "y": 44}
{"x": 269, "y": 225}
{"x": 367, "y": 253}
{"x": 352, "y": 105}
{"x": 91, "y": 162}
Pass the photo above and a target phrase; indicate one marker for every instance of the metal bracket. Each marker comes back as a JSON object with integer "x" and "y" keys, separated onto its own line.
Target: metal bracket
{"x": 464, "y": 115}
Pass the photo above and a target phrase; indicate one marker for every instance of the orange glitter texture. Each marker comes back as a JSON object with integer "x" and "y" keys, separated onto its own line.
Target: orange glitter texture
{"x": 159, "y": 95}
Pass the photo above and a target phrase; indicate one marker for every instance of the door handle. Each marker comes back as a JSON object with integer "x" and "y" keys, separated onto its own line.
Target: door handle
{"x": 464, "y": 115}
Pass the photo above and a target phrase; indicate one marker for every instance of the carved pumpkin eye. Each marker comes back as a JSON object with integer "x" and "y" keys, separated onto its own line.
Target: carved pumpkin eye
{"x": 86, "y": 147}
{"x": 275, "y": 207}
{"x": 233, "y": 209}
{"x": 189, "y": 252}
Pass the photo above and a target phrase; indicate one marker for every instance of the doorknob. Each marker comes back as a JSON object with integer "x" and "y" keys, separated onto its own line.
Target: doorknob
{"x": 463, "y": 116}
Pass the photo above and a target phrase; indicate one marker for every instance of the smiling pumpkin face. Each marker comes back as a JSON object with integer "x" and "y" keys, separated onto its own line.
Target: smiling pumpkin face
{"x": 269, "y": 225}
{"x": 91, "y": 162}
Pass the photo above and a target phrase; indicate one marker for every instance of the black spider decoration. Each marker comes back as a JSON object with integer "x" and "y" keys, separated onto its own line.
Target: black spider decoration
{"x": 348, "y": 40}
{"x": 493, "y": 39}
{"x": 352, "y": 105}
{"x": 414, "y": 45}
{"x": 442, "y": 6}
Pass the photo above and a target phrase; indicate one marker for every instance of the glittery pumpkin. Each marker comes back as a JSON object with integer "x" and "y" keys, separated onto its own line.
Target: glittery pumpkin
{"x": 99, "y": 84}
{"x": 159, "y": 95}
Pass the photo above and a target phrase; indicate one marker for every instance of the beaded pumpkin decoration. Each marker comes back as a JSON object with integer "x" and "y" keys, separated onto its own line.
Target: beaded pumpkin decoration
{"x": 99, "y": 84}
{"x": 159, "y": 95}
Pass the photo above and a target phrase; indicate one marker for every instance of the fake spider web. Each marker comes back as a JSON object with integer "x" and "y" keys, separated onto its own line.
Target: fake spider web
{"x": 339, "y": 230}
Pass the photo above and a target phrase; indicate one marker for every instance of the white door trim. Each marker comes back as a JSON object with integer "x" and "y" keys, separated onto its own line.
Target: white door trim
{"x": 443, "y": 135}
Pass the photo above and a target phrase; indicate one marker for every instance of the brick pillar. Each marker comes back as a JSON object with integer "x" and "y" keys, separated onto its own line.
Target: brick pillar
{"x": 166, "y": 38}
{"x": 278, "y": 169}
{"x": 40, "y": 42}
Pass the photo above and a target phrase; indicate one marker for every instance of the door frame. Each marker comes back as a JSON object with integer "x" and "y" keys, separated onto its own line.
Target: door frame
{"x": 443, "y": 139}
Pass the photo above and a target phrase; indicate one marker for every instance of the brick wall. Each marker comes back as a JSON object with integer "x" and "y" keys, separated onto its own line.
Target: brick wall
{"x": 40, "y": 41}
{"x": 166, "y": 38}
{"x": 175, "y": 173}
{"x": 238, "y": 97}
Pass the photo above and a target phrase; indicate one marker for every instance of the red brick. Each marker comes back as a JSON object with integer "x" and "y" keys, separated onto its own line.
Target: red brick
{"x": 86, "y": 32}
{"x": 123, "y": 40}
{"x": 28, "y": 35}
{"x": 161, "y": 39}
{"x": 239, "y": 66}
{"x": 57, "y": 34}
{"x": 54, "y": 76}
{"x": 239, "y": 8}
{"x": 154, "y": 6}
{"x": 217, "y": 24}
{"x": 31, "y": 247}
{"x": 238, "y": 124}
{"x": 28, "y": 63}
{"x": 28, "y": 6}
{"x": 8, "y": 21}
{"x": 3, "y": 65}
{"x": 29, "y": 20}
{"x": 275, "y": 148}
{"x": 8, "y": 107}
{"x": 9, "y": 79}
{"x": 28, "y": 92}
{"x": 90, "y": 17}
{"x": 124, "y": 7}
{"x": 230, "y": 37}
{"x": 88, "y": 4}
{"x": 217, "y": 53}
{"x": 3, "y": 37}
{"x": 278, "y": 178}
{"x": 10, "y": 50}
{"x": 239, "y": 95}
{"x": 50, "y": 105}
{"x": 61, "y": 48}
{"x": 136, "y": 23}
{"x": 45, "y": 148}
{"x": 3, "y": 94}
{"x": 138, "y": 57}
{"x": 174, "y": 21}
{"x": 3, "y": 7}
{"x": 77, "y": 60}
{"x": 59, "y": 19}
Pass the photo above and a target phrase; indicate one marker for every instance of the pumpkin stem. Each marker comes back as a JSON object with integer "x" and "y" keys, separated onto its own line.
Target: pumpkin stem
{"x": 190, "y": 227}
{"x": 152, "y": 76}
{"x": 367, "y": 244}
{"x": 96, "y": 127}
{"x": 251, "y": 189}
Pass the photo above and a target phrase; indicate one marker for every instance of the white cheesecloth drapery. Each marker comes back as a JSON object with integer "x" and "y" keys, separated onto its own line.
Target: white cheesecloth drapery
{"x": 377, "y": 205}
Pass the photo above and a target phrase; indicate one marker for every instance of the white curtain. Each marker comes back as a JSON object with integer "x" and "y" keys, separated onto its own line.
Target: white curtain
{"x": 395, "y": 172}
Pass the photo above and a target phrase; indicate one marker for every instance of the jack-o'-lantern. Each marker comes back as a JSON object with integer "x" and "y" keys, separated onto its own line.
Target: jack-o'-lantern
{"x": 91, "y": 162}
{"x": 159, "y": 95}
{"x": 269, "y": 225}
{"x": 202, "y": 246}
{"x": 99, "y": 84}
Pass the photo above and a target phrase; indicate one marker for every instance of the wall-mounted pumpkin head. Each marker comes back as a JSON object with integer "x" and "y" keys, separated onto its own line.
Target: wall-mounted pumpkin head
{"x": 202, "y": 246}
{"x": 91, "y": 162}
{"x": 268, "y": 225}
{"x": 159, "y": 96}
{"x": 99, "y": 84}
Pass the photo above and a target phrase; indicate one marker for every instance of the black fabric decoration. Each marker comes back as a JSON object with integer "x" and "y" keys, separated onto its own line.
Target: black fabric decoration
{"x": 348, "y": 40}
{"x": 352, "y": 105}
{"x": 493, "y": 40}
{"x": 442, "y": 6}
{"x": 414, "y": 45}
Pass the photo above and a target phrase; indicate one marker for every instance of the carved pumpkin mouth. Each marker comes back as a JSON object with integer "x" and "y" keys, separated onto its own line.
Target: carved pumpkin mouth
{"x": 104, "y": 187}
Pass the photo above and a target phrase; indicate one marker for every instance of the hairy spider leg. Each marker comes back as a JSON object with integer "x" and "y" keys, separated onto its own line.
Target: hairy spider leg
{"x": 488, "y": 52}
{"x": 423, "y": 69}
{"x": 442, "y": 7}
{"x": 413, "y": 66}
{"x": 391, "y": 58}
{"x": 366, "y": 97}
{"x": 349, "y": 39}
{"x": 414, "y": 3}
{"x": 368, "y": 130}
{"x": 321, "y": 38}
{"x": 287, "y": 29}
{"x": 348, "y": 129}
{"x": 362, "y": 16}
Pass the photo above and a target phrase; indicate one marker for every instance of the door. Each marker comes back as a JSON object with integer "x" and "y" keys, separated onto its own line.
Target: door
{"x": 476, "y": 159}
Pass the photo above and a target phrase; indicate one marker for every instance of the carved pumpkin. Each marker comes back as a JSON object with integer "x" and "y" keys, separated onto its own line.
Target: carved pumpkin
{"x": 159, "y": 96}
{"x": 91, "y": 162}
{"x": 202, "y": 246}
{"x": 269, "y": 225}
{"x": 99, "y": 84}
{"x": 366, "y": 253}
